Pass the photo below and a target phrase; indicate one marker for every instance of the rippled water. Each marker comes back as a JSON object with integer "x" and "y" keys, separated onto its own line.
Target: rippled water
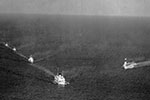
{"x": 90, "y": 51}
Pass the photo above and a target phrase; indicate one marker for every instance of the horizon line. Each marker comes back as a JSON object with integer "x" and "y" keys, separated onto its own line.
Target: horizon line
{"x": 104, "y": 15}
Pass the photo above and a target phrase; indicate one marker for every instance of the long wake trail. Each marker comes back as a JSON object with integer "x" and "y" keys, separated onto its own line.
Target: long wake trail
{"x": 142, "y": 64}
{"x": 43, "y": 69}
{"x": 25, "y": 46}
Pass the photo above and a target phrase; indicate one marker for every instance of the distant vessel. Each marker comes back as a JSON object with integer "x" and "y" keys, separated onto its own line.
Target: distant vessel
{"x": 60, "y": 80}
{"x": 129, "y": 65}
{"x": 6, "y": 44}
{"x": 14, "y": 49}
{"x": 31, "y": 60}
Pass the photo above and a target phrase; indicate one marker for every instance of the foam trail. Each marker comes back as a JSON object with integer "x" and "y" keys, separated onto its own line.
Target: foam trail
{"x": 24, "y": 46}
{"x": 50, "y": 55}
{"x": 142, "y": 64}
{"x": 43, "y": 69}
{"x": 17, "y": 52}
{"x": 74, "y": 72}
{"x": 40, "y": 54}
{"x": 22, "y": 55}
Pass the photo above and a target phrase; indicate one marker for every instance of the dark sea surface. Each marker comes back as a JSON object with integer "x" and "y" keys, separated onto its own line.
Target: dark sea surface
{"x": 89, "y": 49}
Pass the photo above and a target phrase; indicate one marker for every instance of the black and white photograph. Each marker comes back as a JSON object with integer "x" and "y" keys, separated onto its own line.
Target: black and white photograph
{"x": 74, "y": 49}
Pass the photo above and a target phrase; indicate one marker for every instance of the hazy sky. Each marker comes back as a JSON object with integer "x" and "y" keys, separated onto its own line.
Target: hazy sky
{"x": 85, "y": 7}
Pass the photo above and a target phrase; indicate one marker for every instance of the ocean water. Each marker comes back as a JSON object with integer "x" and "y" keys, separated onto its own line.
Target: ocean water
{"x": 89, "y": 49}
